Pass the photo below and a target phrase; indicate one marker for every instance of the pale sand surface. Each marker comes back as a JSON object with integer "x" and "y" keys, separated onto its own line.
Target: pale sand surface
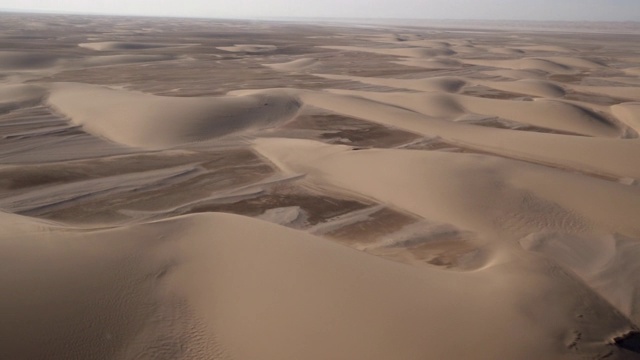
{"x": 208, "y": 189}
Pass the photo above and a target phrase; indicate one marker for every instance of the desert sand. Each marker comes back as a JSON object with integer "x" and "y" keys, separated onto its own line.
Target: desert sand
{"x": 209, "y": 189}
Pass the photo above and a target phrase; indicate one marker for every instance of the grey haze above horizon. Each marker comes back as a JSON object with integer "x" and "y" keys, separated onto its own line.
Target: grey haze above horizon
{"x": 546, "y": 10}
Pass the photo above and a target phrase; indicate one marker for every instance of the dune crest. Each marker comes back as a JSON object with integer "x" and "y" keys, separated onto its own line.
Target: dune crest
{"x": 205, "y": 284}
{"x": 121, "y": 45}
{"x": 149, "y": 121}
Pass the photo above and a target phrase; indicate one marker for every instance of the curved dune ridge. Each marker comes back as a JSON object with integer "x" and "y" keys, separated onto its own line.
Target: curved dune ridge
{"x": 629, "y": 113}
{"x": 443, "y": 83}
{"x": 248, "y": 48}
{"x": 532, "y": 87}
{"x": 239, "y": 288}
{"x": 544, "y": 113}
{"x": 15, "y": 96}
{"x": 120, "y": 59}
{"x": 432, "y": 193}
{"x": 542, "y": 64}
{"x": 295, "y": 65}
{"x": 604, "y": 156}
{"x": 452, "y": 84}
{"x": 412, "y": 52}
{"x": 436, "y": 63}
{"x": 123, "y": 45}
{"x": 149, "y": 121}
{"x": 456, "y": 188}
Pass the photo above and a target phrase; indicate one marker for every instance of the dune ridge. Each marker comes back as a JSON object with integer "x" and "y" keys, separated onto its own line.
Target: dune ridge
{"x": 192, "y": 268}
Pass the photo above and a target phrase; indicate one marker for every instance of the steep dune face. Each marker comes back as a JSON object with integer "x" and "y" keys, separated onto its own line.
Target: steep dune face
{"x": 148, "y": 121}
{"x": 107, "y": 60}
{"x": 233, "y": 287}
{"x": 629, "y": 113}
{"x": 603, "y": 156}
{"x": 440, "y": 187}
{"x": 546, "y": 65}
{"x": 15, "y": 95}
{"x": 529, "y": 87}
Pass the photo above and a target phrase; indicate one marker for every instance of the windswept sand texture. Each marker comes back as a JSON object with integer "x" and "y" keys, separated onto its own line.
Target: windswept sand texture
{"x": 207, "y": 189}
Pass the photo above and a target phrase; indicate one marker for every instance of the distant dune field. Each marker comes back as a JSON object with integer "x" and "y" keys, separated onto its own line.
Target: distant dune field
{"x": 209, "y": 189}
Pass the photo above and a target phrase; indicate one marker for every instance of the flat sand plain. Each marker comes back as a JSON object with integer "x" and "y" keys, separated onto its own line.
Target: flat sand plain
{"x": 209, "y": 189}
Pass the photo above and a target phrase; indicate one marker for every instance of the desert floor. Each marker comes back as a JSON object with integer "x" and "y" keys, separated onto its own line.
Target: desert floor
{"x": 209, "y": 189}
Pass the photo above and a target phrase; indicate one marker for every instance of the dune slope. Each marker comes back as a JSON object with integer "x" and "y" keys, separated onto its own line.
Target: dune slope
{"x": 149, "y": 121}
{"x": 233, "y": 287}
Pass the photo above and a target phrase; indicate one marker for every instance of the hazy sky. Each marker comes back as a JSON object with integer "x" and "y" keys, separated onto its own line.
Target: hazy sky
{"x": 416, "y": 9}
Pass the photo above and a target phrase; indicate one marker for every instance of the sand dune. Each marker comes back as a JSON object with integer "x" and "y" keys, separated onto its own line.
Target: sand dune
{"x": 431, "y": 64}
{"x": 120, "y": 59}
{"x": 523, "y": 197}
{"x": 544, "y": 113}
{"x": 20, "y": 60}
{"x": 142, "y": 120}
{"x": 626, "y": 92}
{"x": 204, "y": 284}
{"x": 446, "y": 84}
{"x": 122, "y": 45}
{"x": 517, "y": 74}
{"x": 295, "y": 65}
{"x": 599, "y": 155}
{"x": 16, "y": 95}
{"x": 454, "y": 84}
{"x": 431, "y": 193}
{"x": 629, "y": 113}
{"x": 506, "y": 51}
{"x": 248, "y": 48}
{"x": 547, "y": 48}
{"x": 527, "y": 86}
{"x": 527, "y": 64}
{"x": 412, "y": 52}
{"x": 577, "y": 62}
{"x": 632, "y": 71}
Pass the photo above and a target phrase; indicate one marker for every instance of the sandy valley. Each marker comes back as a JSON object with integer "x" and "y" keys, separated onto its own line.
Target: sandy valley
{"x": 227, "y": 189}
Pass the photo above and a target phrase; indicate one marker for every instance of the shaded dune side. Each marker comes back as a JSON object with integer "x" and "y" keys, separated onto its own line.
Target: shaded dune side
{"x": 455, "y": 188}
{"x": 545, "y": 65}
{"x": 122, "y": 45}
{"x": 500, "y": 199}
{"x": 443, "y": 83}
{"x": 411, "y": 52}
{"x": 16, "y": 95}
{"x": 454, "y": 84}
{"x": 260, "y": 290}
{"x": 149, "y": 121}
{"x": 249, "y": 48}
{"x": 629, "y": 113}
